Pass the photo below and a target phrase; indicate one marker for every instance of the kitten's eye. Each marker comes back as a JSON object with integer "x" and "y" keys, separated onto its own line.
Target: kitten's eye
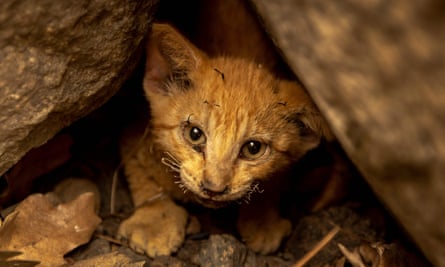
{"x": 194, "y": 135}
{"x": 253, "y": 149}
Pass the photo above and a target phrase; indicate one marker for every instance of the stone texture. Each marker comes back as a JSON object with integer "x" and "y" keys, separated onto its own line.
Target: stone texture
{"x": 223, "y": 250}
{"x": 376, "y": 70}
{"x": 59, "y": 61}
{"x": 226, "y": 251}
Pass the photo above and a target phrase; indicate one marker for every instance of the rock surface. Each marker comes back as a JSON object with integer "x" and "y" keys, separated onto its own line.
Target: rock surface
{"x": 375, "y": 69}
{"x": 59, "y": 61}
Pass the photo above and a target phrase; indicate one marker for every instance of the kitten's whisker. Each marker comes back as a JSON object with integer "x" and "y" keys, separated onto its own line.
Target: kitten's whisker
{"x": 171, "y": 162}
{"x": 175, "y": 165}
{"x": 167, "y": 162}
{"x": 256, "y": 188}
{"x": 175, "y": 160}
{"x": 181, "y": 185}
{"x": 253, "y": 188}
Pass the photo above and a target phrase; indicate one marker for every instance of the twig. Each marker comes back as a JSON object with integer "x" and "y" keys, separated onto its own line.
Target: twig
{"x": 352, "y": 256}
{"x": 319, "y": 246}
{"x": 109, "y": 239}
{"x": 113, "y": 190}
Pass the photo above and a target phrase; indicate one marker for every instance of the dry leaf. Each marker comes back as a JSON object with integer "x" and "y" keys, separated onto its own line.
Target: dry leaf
{"x": 45, "y": 233}
{"x": 5, "y": 262}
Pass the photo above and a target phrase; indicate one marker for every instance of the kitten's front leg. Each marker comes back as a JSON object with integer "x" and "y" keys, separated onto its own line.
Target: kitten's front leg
{"x": 156, "y": 228}
{"x": 261, "y": 227}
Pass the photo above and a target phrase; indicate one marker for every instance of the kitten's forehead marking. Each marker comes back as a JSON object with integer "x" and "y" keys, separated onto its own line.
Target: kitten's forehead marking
{"x": 212, "y": 104}
{"x": 189, "y": 117}
{"x": 219, "y": 72}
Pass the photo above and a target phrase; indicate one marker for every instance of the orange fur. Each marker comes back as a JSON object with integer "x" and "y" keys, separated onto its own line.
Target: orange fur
{"x": 226, "y": 127}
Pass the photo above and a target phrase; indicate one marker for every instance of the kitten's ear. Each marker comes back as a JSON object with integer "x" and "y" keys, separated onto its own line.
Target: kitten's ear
{"x": 170, "y": 58}
{"x": 305, "y": 115}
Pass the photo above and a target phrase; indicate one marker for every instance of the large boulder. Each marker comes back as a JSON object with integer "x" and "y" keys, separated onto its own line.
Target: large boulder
{"x": 59, "y": 60}
{"x": 376, "y": 70}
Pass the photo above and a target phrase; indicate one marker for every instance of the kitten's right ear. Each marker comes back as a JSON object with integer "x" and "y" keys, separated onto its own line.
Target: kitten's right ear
{"x": 170, "y": 58}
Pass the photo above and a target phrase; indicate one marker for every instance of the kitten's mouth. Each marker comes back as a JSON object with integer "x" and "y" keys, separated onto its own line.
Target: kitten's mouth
{"x": 212, "y": 200}
{"x": 210, "y": 203}
{"x": 218, "y": 201}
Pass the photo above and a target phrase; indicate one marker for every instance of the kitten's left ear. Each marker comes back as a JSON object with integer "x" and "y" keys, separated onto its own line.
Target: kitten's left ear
{"x": 304, "y": 113}
{"x": 170, "y": 57}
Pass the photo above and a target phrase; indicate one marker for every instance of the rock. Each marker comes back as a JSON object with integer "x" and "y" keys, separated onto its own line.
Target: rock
{"x": 112, "y": 259}
{"x": 168, "y": 261}
{"x": 222, "y": 250}
{"x": 59, "y": 61}
{"x": 226, "y": 251}
{"x": 375, "y": 69}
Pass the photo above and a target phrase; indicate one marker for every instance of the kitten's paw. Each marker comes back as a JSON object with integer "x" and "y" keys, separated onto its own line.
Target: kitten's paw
{"x": 156, "y": 229}
{"x": 264, "y": 236}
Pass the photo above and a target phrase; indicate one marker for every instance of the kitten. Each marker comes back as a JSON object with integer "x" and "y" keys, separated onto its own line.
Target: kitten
{"x": 227, "y": 129}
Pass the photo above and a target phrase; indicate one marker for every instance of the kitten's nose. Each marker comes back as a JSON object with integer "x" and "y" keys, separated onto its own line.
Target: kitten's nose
{"x": 211, "y": 189}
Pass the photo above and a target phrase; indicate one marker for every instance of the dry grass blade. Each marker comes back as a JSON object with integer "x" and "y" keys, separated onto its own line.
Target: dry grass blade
{"x": 352, "y": 256}
{"x": 319, "y": 246}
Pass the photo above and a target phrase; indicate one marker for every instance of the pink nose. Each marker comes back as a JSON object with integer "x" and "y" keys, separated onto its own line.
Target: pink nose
{"x": 212, "y": 189}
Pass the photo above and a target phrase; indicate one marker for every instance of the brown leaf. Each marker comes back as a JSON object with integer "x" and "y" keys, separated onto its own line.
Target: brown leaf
{"x": 5, "y": 262}
{"x": 43, "y": 232}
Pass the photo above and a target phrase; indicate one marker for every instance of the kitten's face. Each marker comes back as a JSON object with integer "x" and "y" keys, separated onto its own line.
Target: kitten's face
{"x": 224, "y": 124}
{"x": 226, "y": 134}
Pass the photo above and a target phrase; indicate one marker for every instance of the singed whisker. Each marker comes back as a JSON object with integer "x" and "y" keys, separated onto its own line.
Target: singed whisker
{"x": 241, "y": 201}
{"x": 254, "y": 187}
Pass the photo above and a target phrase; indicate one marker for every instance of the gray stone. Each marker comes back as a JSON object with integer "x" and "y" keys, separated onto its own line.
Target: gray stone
{"x": 222, "y": 250}
{"x": 376, "y": 70}
{"x": 59, "y": 61}
{"x": 226, "y": 251}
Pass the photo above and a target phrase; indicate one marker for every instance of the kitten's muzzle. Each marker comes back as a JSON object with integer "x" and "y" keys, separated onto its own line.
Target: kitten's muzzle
{"x": 213, "y": 190}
